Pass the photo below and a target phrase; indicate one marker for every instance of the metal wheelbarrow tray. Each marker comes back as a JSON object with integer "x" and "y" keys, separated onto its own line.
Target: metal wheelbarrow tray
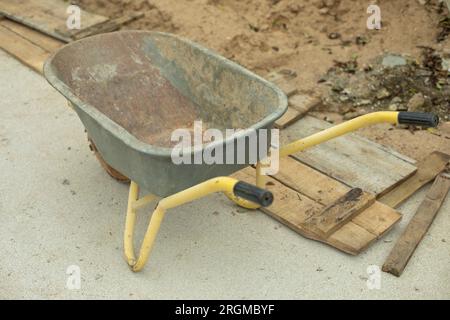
{"x": 132, "y": 89}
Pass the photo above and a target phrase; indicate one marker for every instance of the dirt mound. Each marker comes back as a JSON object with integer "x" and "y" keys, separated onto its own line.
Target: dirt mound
{"x": 309, "y": 37}
{"x": 304, "y": 36}
{"x": 390, "y": 82}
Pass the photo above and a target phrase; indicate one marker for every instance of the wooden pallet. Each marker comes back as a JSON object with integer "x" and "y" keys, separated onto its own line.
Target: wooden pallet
{"x": 314, "y": 205}
{"x": 311, "y": 187}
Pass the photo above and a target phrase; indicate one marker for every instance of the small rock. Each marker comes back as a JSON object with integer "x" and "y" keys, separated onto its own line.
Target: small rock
{"x": 66, "y": 182}
{"x": 334, "y": 35}
{"x": 328, "y": 119}
{"x": 416, "y": 102}
{"x": 368, "y": 68}
{"x": 383, "y": 94}
{"x": 361, "y": 40}
{"x": 351, "y": 115}
{"x": 396, "y": 100}
{"x": 324, "y": 11}
{"x": 337, "y": 87}
{"x": 295, "y": 8}
{"x": 393, "y": 107}
{"x": 392, "y": 61}
{"x": 363, "y": 102}
{"x": 446, "y": 65}
{"x": 344, "y": 98}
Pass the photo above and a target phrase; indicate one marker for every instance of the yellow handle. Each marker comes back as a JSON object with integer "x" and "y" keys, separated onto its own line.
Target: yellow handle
{"x": 339, "y": 130}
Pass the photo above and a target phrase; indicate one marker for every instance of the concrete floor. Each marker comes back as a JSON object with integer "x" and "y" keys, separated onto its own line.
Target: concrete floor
{"x": 59, "y": 208}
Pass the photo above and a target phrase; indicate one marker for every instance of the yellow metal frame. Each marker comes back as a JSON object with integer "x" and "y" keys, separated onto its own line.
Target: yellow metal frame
{"x": 220, "y": 184}
{"x": 224, "y": 184}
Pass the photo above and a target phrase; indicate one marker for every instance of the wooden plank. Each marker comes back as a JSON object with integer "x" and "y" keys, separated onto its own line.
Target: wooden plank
{"x": 377, "y": 219}
{"x": 351, "y": 159}
{"x": 417, "y": 227}
{"x": 299, "y": 106}
{"x": 22, "y": 49}
{"x": 364, "y": 229}
{"x": 47, "y": 16}
{"x": 427, "y": 170}
{"x": 303, "y": 103}
{"x": 287, "y": 86}
{"x": 289, "y": 207}
{"x": 310, "y": 182}
{"x": 351, "y": 238}
{"x": 338, "y": 213}
{"x": 290, "y": 116}
{"x": 107, "y": 26}
{"x": 43, "y": 41}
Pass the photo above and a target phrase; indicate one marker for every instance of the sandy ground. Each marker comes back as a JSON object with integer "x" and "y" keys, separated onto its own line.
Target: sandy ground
{"x": 293, "y": 35}
{"x": 59, "y": 208}
{"x": 286, "y": 34}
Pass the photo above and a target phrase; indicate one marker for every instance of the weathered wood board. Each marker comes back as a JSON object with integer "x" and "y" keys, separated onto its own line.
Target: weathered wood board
{"x": 299, "y": 106}
{"x": 351, "y": 159}
{"x": 427, "y": 170}
{"x": 303, "y": 195}
{"x": 108, "y": 26}
{"x": 418, "y": 226}
{"x": 38, "y": 38}
{"x": 25, "y": 51}
{"x": 291, "y": 115}
{"x": 30, "y": 47}
{"x": 47, "y": 16}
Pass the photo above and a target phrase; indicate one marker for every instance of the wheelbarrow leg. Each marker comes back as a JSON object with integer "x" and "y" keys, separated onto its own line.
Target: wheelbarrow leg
{"x": 134, "y": 203}
{"x": 232, "y": 187}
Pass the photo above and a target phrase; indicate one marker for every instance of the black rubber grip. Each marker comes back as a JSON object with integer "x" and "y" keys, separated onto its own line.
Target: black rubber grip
{"x": 253, "y": 193}
{"x": 423, "y": 119}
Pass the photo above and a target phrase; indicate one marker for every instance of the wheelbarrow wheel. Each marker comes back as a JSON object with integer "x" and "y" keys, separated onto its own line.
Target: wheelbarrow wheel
{"x": 110, "y": 170}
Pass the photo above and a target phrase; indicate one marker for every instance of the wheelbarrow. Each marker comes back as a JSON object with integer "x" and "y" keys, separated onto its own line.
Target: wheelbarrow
{"x": 132, "y": 89}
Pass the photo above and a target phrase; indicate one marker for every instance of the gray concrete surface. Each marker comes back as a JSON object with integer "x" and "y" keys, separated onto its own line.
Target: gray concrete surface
{"x": 58, "y": 208}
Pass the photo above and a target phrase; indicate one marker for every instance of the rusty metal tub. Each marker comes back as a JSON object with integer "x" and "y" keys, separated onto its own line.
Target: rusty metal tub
{"x": 132, "y": 89}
